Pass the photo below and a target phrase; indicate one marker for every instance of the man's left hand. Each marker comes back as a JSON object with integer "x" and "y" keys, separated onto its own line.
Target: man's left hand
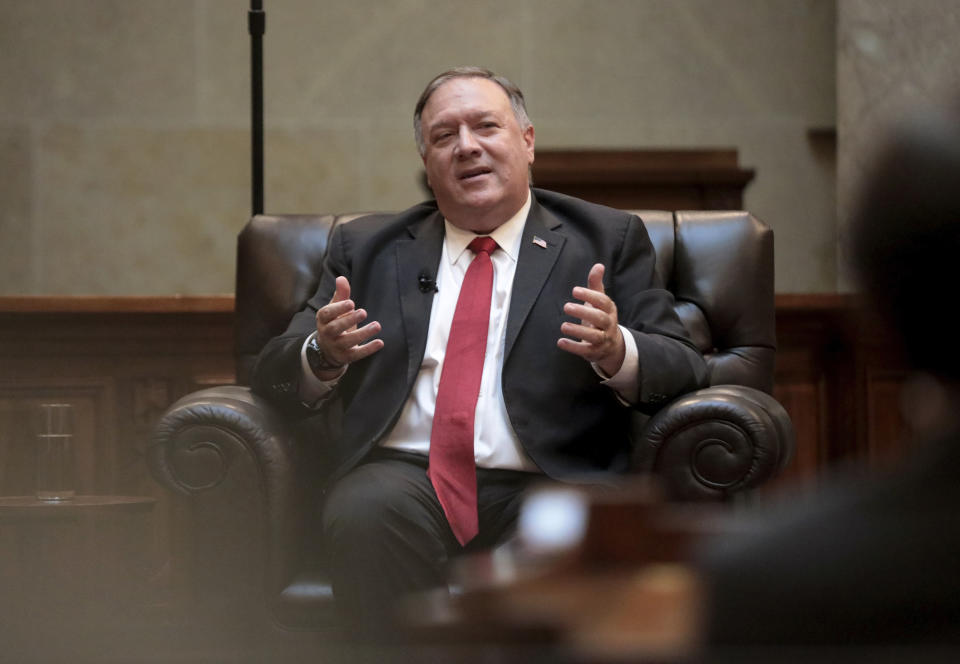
{"x": 599, "y": 335}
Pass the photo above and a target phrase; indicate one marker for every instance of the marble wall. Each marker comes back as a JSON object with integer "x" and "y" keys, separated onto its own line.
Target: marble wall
{"x": 124, "y": 125}
{"x": 893, "y": 59}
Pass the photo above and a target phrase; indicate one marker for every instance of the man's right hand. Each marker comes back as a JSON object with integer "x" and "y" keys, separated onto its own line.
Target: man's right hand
{"x": 338, "y": 334}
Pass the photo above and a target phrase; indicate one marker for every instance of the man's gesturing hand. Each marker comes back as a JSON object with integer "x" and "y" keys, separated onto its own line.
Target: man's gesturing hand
{"x": 338, "y": 334}
{"x": 600, "y": 339}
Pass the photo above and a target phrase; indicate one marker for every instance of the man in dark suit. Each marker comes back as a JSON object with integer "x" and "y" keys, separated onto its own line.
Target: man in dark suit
{"x": 579, "y": 329}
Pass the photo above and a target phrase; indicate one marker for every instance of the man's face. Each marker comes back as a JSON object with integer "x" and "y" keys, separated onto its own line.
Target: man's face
{"x": 477, "y": 158}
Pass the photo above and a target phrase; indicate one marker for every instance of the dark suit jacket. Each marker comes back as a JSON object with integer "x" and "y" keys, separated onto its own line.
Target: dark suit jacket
{"x": 569, "y": 424}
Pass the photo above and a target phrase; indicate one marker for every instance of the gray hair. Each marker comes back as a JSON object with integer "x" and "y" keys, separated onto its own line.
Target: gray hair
{"x": 514, "y": 94}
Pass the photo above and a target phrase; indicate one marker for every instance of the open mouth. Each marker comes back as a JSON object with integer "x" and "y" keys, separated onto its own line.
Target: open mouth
{"x": 474, "y": 173}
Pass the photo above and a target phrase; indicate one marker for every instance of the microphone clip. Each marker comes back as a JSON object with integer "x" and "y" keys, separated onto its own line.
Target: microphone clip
{"x": 427, "y": 283}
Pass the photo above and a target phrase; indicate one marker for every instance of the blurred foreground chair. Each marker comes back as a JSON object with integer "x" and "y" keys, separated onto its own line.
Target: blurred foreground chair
{"x": 250, "y": 496}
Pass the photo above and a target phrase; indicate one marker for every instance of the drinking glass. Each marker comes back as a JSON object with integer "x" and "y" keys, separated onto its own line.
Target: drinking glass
{"x": 55, "y": 463}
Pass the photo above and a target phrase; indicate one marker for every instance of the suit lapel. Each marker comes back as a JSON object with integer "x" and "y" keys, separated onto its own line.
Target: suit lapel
{"x": 534, "y": 264}
{"x": 416, "y": 254}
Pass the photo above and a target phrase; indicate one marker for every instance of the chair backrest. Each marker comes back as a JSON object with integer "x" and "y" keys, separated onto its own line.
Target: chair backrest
{"x": 718, "y": 265}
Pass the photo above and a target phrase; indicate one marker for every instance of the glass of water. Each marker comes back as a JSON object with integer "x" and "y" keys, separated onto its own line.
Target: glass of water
{"x": 55, "y": 462}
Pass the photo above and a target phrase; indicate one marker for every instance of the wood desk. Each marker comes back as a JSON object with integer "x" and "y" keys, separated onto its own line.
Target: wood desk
{"x": 625, "y": 592}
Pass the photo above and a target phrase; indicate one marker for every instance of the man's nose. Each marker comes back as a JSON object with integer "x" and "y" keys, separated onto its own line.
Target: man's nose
{"x": 466, "y": 142}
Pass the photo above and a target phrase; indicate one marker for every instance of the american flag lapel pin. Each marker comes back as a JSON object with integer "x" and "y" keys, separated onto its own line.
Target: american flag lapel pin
{"x": 539, "y": 241}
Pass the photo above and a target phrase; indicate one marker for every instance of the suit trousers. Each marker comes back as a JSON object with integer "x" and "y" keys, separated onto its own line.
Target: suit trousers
{"x": 386, "y": 535}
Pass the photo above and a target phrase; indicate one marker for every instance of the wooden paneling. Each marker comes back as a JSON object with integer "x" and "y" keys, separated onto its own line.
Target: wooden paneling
{"x": 839, "y": 377}
{"x": 694, "y": 179}
{"x": 803, "y": 397}
{"x": 813, "y": 341}
{"x": 122, "y": 361}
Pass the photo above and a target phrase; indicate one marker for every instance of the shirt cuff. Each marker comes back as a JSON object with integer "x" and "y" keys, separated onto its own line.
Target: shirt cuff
{"x": 624, "y": 382}
{"x": 312, "y": 389}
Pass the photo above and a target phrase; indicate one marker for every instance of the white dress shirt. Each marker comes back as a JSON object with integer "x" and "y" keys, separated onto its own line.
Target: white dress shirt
{"x": 495, "y": 443}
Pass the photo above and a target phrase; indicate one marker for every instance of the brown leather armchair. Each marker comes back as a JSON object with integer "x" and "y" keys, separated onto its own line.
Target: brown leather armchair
{"x": 251, "y": 498}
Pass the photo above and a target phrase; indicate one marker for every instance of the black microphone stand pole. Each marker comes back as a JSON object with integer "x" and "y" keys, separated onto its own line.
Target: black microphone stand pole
{"x": 257, "y": 23}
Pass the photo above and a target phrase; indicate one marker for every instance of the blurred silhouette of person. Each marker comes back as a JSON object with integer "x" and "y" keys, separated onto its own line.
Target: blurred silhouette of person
{"x": 869, "y": 562}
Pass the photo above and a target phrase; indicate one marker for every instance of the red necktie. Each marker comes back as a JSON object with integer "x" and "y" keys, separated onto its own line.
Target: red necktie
{"x": 452, "y": 469}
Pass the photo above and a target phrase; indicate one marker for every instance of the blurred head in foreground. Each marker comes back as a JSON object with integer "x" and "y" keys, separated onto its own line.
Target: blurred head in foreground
{"x": 905, "y": 239}
{"x": 905, "y": 247}
{"x": 869, "y": 562}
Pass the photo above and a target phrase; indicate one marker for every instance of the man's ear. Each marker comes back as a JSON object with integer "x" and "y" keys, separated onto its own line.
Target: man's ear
{"x": 529, "y": 139}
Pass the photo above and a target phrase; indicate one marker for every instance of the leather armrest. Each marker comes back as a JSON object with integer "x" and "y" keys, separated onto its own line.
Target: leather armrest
{"x": 234, "y": 457}
{"x": 716, "y": 442}
{"x": 197, "y": 440}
